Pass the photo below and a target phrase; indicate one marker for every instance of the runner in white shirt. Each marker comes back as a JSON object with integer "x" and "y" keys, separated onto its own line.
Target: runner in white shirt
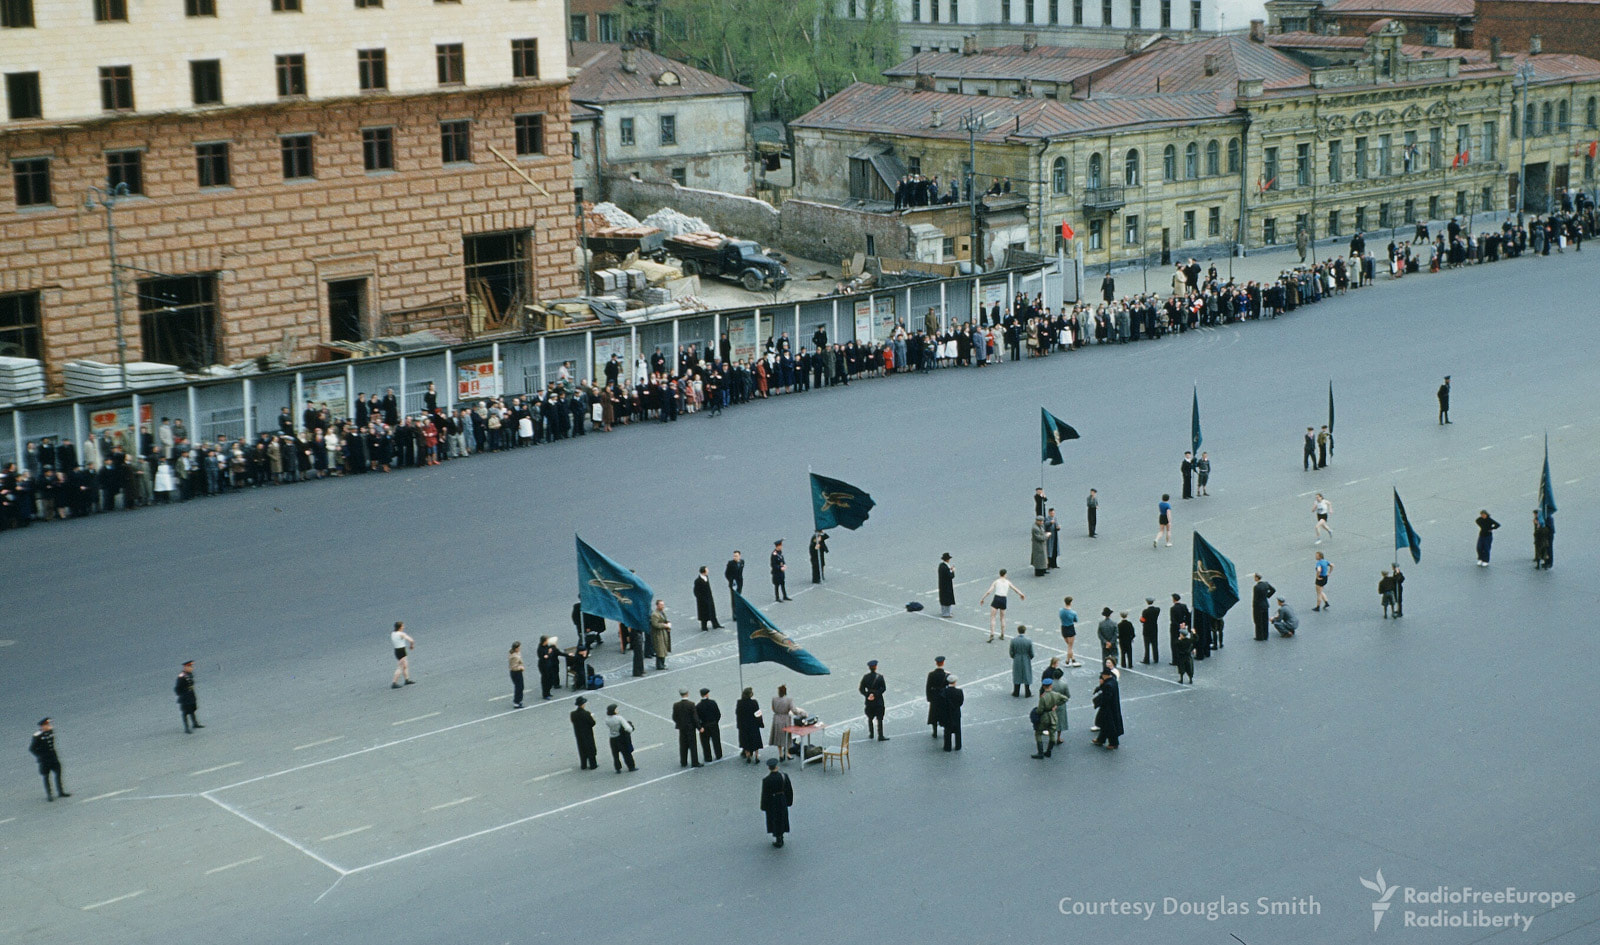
{"x": 1321, "y": 507}
{"x": 1001, "y": 589}
{"x": 403, "y": 645}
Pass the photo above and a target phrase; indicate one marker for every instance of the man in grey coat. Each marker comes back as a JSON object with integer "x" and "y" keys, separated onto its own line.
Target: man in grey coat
{"x": 1021, "y": 663}
{"x": 1285, "y": 622}
{"x": 1107, "y": 632}
{"x": 1040, "y": 558}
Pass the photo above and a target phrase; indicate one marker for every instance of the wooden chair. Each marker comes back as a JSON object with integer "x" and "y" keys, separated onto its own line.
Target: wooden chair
{"x": 840, "y": 754}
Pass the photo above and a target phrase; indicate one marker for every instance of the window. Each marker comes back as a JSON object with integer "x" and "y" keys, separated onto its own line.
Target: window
{"x": 1269, "y": 230}
{"x": 1194, "y": 14}
{"x": 1097, "y": 234}
{"x": 285, "y": 6}
{"x": 1130, "y": 229}
{"x": 1105, "y": 12}
{"x": 578, "y": 28}
{"x": 1335, "y": 161}
{"x": 1166, "y": 14}
{"x": 1233, "y": 156}
{"x": 1188, "y": 226}
{"x": 1433, "y": 207}
{"x": 366, "y": 4}
{"x": 116, "y": 88}
{"x": 1488, "y": 198}
{"x": 1435, "y": 148}
{"x": 1213, "y": 158}
{"x": 1411, "y": 212}
{"x": 31, "y": 176}
{"x": 205, "y": 81}
{"x": 1491, "y": 144}
{"x": 1385, "y": 145}
{"x": 455, "y": 141}
{"x": 1361, "y": 161}
{"x": 1410, "y": 157}
{"x": 1302, "y": 223}
{"x": 16, "y": 14}
{"x": 1515, "y": 129}
{"x": 933, "y": 15}
{"x": 916, "y": 49}
{"x": 178, "y": 320}
{"x": 1463, "y": 142}
{"x": 1135, "y": 11}
{"x": 1588, "y": 174}
{"x": 1461, "y": 203}
{"x": 1055, "y": 12}
{"x": 914, "y": 165}
{"x": 1333, "y": 223}
{"x": 291, "y": 70}
{"x": 1563, "y": 116}
{"x": 451, "y": 58}
{"x": 1530, "y": 121}
{"x": 1130, "y": 168}
{"x": 916, "y": 11}
{"x": 1028, "y": 11}
{"x": 1077, "y": 12}
{"x": 949, "y": 245}
{"x": 955, "y": 14}
{"x": 1191, "y": 161}
{"x": 1430, "y": 35}
{"x": 525, "y": 59}
{"x": 1302, "y": 165}
{"x": 1269, "y": 169}
{"x": 111, "y": 11}
{"x": 681, "y": 178}
{"x": 377, "y": 149}
{"x": 625, "y": 132}
{"x": 372, "y": 68}
{"x": 530, "y": 134}
{"x": 22, "y": 96}
{"x": 1361, "y": 219}
{"x": 211, "y": 164}
{"x": 610, "y": 27}
{"x": 1214, "y": 221}
{"x": 669, "y": 130}
{"x": 1591, "y": 113}
{"x": 297, "y": 156}
{"x": 1169, "y": 163}
{"x": 1548, "y": 115}
{"x": 1058, "y": 175}
{"x": 20, "y": 333}
{"x": 199, "y": 7}
{"x": 1385, "y": 215}
{"x": 125, "y": 168}
{"x": 577, "y": 145}
{"x": 1095, "y": 165}
{"x": 1005, "y": 11}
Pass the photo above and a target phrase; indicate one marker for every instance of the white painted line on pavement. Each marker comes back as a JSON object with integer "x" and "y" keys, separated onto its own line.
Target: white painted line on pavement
{"x": 230, "y": 866}
{"x": 1527, "y": 436}
{"x": 344, "y": 833}
{"x": 1489, "y": 447}
{"x": 416, "y": 718}
{"x": 459, "y": 800}
{"x": 648, "y": 747}
{"x": 263, "y": 827}
{"x": 101, "y": 797}
{"x": 1354, "y": 481}
{"x": 1396, "y": 472}
{"x": 500, "y": 698}
{"x": 1304, "y": 494}
{"x": 1573, "y": 482}
{"x": 7, "y": 820}
{"x": 1565, "y": 426}
{"x": 325, "y": 741}
{"x": 96, "y": 905}
{"x": 231, "y": 764}
{"x": 550, "y": 775}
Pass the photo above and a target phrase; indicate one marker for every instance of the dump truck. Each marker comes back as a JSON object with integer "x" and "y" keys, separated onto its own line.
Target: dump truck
{"x": 741, "y": 261}
{"x": 620, "y": 241}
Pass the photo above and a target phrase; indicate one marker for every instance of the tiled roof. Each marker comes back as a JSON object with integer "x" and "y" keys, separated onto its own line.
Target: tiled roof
{"x": 1547, "y": 67}
{"x": 1167, "y": 66}
{"x": 1045, "y": 63}
{"x": 583, "y": 112}
{"x": 1399, "y": 9}
{"x": 896, "y": 110}
{"x": 601, "y": 77}
{"x": 1558, "y": 67}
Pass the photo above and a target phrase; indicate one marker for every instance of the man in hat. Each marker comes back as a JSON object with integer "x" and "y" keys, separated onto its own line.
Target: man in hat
{"x": 933, "y": 688}
{"x": 687, "y": 723}
{"x": 709, "y": 715}
{"x": 1048, "y": 717}
{"x": 188, "y": 702}
{"x": 950, "y": 702}
{"x": 1107, "y": 632}
{"x": 947, "y": 585}
{"x": 780, "y": 590}
{"x": 1021, "y": 663}
{"x": 777, "y": 796}
{"x": 1108, "y": 709}
{"x": 583, "y": 730}
{"x": 43, "y": 748}
{"x": 872, "y": 688}
{"x": 1444, "y": 401}
{"x": 1149, "y": 619}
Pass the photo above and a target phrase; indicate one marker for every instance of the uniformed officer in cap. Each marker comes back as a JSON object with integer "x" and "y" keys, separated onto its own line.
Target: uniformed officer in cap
{"x": 871, "y": 689}
{"x": 188, "y": 701}
{"x": 933, "y": 689}
{"x": 780, "y": 587}
{"x": 43, "y": 748}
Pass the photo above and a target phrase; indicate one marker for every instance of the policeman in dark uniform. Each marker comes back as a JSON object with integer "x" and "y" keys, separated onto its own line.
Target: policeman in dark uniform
{"x": 188, "y": 702}
{"x": 871, "y": 689}
{"x": 780, "y": 590}
{"x": 583, "y": 732}
{"x": 734, "y": 573}
{"x": 933, "y": 689}
{"x": 43, "y": 748}
{"x": 709, "y": 715}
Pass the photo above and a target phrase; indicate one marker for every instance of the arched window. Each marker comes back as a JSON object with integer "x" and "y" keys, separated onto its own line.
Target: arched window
{"x": 1516, "y": 129}
{"x": 1095, "y": 163}
{"x": 1591, "y": 116}
{"x": 1213, "y": 159}
{"x": 1530, "y": 121}
{"x": 1233, "y": 155}
{"x": 1130, "y": 168}
{"x": 1563, "y": 116}
{"x": 1547, "y": 113}
{"x": 1169, "y": 163}
{"x": 1058, "y": 175}
{"x": 1191, "y": 161}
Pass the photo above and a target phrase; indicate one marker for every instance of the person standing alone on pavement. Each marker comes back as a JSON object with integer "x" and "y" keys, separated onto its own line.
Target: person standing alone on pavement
{"x": 1309, "y": 451}
{"x": 1321, "y": 507}
{"x": 188, "y": 701}
{"x": 780, "y": 589}
{"x": 777, "y": 796}
{"x": 1486, "y": 527}
{"x": 872, "y": 688}
{"x": 947, "y": 586}
{"x": 43, "y": 749}
{"x": 1149, "y": 620}
{"x": 402, "y": 644}
{"x": 583, "y": 731}
{"x": 1260, "y": 604}
{"x": 1125, "y": 638}
{"x": 1021, "y": 663}
{"x": 709, "y": 715}
{"x": 1068, "y": 619}
{"x": 1444, "y": 401}
{"x": 515, "y": 661}
{"x": 733, "y": 572}
{"x": 950, "y": 702}
{"x": 1186, "y": 468}
{"x": 705, "y": 604}
{"x": 1163, "y": 520}
{"x": 1093, "y": 509}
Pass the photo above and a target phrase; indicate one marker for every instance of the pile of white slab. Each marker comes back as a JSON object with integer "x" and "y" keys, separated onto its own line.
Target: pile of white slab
{"x": 21, "y": 380}
{"x": 94, "y": 377}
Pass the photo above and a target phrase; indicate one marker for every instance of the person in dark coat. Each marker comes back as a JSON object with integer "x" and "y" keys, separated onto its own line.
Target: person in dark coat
{"x": 872, "y": 688}
{"x": 709, "y": 715}
{"x": 950, "y": 702}
{"x": 704, "y": 604}
{"x": 583, "y": 730}
{"x": 777, "y": 796}
{"x": 1108, "y": 709}
{"x": 947, "y": 585}
{"x": 1183, "y": 654}
{"x": 734, "y": 574}
{"x": 1444, "y": 401}
{"x": 1125, "y": 638}
{"x": 775, "y": 562}
{"x": 43, "y": 749}
{"x": 932, "y": 690}
{"x": 1260, "y": 604}
{"x": 819, "y": 556}
{"x": 549, "y": 657}
{"x": 752, "y": 733}
{"x": 1486, "y": 527}
{"x": 188, "y": 701}
{"x": 636, "y": 643}
{"x": 1177, "y": 616}
{"x": 687, "y": 722}
{"x": 1150, "y": 618}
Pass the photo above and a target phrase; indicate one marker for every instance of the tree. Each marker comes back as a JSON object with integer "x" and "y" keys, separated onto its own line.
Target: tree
{"x": 793, "y": 53}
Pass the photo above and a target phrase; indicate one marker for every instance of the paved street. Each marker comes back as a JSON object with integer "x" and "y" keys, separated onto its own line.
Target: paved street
{"x": 1456, "y": 747}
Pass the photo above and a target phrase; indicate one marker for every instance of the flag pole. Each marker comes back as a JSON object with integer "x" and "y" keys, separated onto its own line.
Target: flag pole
{"x": 1394, "y": 490}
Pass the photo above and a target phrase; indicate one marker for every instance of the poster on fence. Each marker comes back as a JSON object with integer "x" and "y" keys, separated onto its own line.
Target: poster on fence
{"x": 328, "y": 391}
{"x": 884, "y": 322}
{"x": 863, "y": 320}
{"x": 604, "y": 348}
{"x": 742, "y": 338}
{"x": 475, "y": 379}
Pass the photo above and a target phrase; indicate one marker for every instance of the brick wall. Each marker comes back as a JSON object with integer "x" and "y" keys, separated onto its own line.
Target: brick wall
{"x": 733, "y": 214}
{"x": 1563, "y": 27}
{"x": 827, "y": 233}
{"x": 274, "y": 242}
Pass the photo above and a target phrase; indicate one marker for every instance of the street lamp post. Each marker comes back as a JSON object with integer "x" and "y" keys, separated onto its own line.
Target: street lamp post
{"x": 108, "y": 200}
{"x": 1526, "y": 75}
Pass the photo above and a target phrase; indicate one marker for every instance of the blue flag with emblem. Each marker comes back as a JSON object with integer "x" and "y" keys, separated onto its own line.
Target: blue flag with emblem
{"x": 1404, "y": 535}
{"x": 607, "y": 589}
{"x": 1547, "y": 495}
{"x": 1052, "y": 432}
{"x": 1194, "y": 423}
{"x": 836, "y": 504}
{"x": 761, "y": 642}
{"x": 1216, "y": 586}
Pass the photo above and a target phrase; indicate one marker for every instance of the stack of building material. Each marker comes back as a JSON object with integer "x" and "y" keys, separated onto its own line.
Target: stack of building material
{"x": 672, "y": 222}
{"x": 94, "y": 377}
{"x": 21, "y": 380}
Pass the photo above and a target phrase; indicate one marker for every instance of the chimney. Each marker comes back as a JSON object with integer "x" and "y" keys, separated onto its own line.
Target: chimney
{"x": 1211, "y": 64}
{"x": 1258, "y": 31}
{"x": 969, "y": 45}
{"x": 923, "y": 82}
{"x": 1030, "y": 42}
{"x": 1535, "y": 45}
{"x": 1130, "y": 43}
{"x": 1494, "y": 47}
{"x": 936, "y": 119}
{"x": 627, "y": 60}
{"x": 1249, "y": 88}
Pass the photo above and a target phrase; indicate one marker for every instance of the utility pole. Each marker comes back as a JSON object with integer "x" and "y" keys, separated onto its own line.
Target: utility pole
{"x": 973, "y": 125}
{"x": 1526, "y": 75}
{"x": 108, "y": 200}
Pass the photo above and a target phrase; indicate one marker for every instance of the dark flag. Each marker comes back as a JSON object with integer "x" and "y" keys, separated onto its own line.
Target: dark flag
{"x": 1330, "y": 418}
{"x": 1547, "y": 495}
{"x": 1216, "y": 586}
{"x": 1194, "y": 423}
{"x": 761, "y": 642}
{"x": 838, "y": 504}
{"x": 1051, "y": 434}
{"x": 1404, "y": 535}
{"x": 606, "y": 589}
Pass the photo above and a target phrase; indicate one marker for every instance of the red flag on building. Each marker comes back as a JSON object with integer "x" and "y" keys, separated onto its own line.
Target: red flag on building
{"x": 1594, "y": 146}
{"x": 1462, "y": 159}
{"x": 1066, "y": 230}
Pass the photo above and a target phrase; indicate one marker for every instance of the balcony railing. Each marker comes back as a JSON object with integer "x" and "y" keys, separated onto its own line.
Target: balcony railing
{"x": 1103, "y": 199}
